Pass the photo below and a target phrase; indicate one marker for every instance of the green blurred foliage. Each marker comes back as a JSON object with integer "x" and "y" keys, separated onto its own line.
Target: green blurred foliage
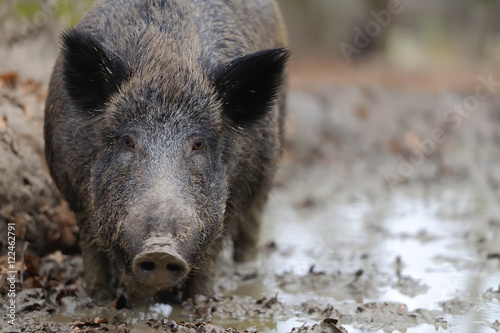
{"x": 71, "y": 11}
{"x": 26, "y": 9}
{"x": 67, "y": 11}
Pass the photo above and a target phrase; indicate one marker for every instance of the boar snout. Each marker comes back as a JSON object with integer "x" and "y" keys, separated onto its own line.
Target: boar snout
{"x": 160, "y": 268}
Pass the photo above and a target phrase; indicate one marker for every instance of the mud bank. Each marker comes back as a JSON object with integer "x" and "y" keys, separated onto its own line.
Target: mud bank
{"x": 28, "y": 196}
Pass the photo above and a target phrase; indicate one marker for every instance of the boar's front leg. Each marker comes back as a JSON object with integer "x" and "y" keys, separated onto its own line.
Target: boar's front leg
{"x": 98, "y": 275}
{"x": 247, "y": 232}
{"x": 202, "y": 280}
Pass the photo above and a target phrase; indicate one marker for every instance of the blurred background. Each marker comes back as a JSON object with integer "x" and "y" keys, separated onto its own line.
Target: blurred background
{"x": 408, "y": 33}
{"x": 405, "y": 33}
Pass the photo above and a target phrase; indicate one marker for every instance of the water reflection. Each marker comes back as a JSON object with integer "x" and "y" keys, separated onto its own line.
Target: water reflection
{"x": 426, "y": 250}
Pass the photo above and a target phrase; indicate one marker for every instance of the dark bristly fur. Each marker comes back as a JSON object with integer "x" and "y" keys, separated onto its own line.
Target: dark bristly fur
{"x": 163, "y": 128}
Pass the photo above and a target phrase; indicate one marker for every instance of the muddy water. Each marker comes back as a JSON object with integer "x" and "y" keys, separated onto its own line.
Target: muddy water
{"x": 424, "y": 250}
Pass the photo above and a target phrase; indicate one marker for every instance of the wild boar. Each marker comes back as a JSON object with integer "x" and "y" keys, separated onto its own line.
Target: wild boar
{"x": 163, "y": 129}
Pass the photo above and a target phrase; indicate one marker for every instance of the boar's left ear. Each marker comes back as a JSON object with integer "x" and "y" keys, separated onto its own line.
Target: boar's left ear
{"x": 91, "y": 74}
{"x": 248, "y": 86}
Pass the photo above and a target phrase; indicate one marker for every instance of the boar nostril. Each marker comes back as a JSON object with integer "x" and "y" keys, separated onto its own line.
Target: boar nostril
{"x": 160, "y": 268}
{"x": 147, "y": 266}
{"x": 174, "y": 268}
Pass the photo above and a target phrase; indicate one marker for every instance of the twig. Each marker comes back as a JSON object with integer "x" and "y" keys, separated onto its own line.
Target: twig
{"x": 25, "y": 247}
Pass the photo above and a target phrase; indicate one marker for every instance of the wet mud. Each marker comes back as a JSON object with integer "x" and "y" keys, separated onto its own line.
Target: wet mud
{"x": 373, "y": 225}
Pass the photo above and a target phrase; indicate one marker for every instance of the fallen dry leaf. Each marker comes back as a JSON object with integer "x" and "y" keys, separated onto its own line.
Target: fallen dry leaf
{"x": 361, "y": 112}
{"x": 78, "y": 323}
{"x": 21, "y": 220}
{"x": 63, "y": 215}
{"x": 95, "y": 322}
{"x": 9, "y": 78}
{"x": 402, "y": 309}
{"x": 32, "y": 282}
{"x": 98, "y": 321}
{"x": 27, "y": 112}
{"x": 30, "y": 86}
{"x": 56, "y": 256}
{"x": 6, "y": 211}
{"x": 394, "y": 147}
{"x": 412, "y": 140}
{"x": 122, "y": 328}
{"x": 31, "y": 262}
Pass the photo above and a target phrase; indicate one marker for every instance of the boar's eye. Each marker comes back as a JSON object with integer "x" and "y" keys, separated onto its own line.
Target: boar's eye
{"x": 198, "y": 144}
{"x": 128, "y": 142}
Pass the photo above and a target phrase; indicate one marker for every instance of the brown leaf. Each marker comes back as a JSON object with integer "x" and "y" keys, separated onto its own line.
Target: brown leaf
{"x": 361, "y": 112}
{"x": 68, "y": 238}
{"x": 395, "y": 147}
{"x": 21, "y": 220}
{"x": 30, "y": 86}
{"x": 78, "y": 324}
{"x": 95, "y": 322}
{"x": 27, "y": 112}
{"x": 6, "y": 211}
{"x": 31, "y": 261}
{"x": 122, "y": 328}
{"x": 413, "y": 140}
{"x": 64, "y": 215}
{"x": 32, "y": 282}
{"x": 98, "y": 321}
{"x": 9, "y": 78}
{"x": 402, "y": 309}
{"x": 56, "y": 256}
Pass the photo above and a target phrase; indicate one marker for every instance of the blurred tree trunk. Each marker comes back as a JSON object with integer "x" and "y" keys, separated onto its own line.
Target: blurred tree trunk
{"x": 379, "y": 42}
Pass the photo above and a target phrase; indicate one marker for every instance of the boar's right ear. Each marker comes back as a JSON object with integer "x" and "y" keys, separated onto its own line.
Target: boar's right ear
{"x": 248, "y": 86}
{"x": 91, "y": 74}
